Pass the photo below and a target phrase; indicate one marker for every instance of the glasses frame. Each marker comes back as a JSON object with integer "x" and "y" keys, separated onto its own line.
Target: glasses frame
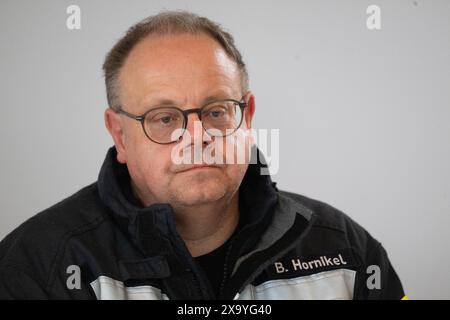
{"x": 141, "y": 118}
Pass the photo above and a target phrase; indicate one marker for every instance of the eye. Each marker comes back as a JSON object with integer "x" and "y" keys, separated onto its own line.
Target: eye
{"x": 164, "y": 118}
{"x": 215, "y": 111}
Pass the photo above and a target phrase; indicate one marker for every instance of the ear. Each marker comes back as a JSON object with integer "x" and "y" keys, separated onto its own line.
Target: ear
{"x": 113, "y": 123}
{"x": 249, "y": 111}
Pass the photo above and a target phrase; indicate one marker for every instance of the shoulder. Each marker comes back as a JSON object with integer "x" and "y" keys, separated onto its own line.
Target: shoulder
{"x": 332, "y": 222}
{"x": 35, "y": 245}
{"x": 333, "y": 233}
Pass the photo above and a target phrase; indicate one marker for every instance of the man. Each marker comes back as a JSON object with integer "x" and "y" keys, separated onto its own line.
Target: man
{"x": 152, "y": 227}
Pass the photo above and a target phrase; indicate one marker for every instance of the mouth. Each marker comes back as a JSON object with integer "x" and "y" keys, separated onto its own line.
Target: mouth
{"x": 198, "y": 167}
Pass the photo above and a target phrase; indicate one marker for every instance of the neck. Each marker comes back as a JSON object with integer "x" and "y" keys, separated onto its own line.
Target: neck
{"x": 206, "y": 227}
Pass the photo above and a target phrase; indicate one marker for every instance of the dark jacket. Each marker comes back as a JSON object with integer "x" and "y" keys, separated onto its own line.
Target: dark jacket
{"x": 101, "y": 244}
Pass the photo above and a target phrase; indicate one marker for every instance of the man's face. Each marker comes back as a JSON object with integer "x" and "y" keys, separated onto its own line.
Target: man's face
{"x": 186, "y": 69}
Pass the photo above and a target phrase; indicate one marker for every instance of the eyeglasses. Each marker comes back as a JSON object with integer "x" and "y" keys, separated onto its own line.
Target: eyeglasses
{"x": 218, "y": 118}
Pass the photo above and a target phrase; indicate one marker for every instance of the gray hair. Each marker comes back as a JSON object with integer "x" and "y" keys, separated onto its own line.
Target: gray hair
{"x": 166, "y": 23}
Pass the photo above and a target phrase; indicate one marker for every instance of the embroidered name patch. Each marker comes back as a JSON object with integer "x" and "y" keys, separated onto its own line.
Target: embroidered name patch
{"x": 292, "y": 264}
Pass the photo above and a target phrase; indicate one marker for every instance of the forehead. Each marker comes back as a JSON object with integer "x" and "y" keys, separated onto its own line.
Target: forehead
{"x": 180, "y": 67}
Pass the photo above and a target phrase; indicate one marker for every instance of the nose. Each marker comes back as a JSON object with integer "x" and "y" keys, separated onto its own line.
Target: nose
{"x": 195, "y": 129}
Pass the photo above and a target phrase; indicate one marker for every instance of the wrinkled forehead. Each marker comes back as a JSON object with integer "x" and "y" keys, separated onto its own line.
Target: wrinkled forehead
{"x": 181, "y": 66}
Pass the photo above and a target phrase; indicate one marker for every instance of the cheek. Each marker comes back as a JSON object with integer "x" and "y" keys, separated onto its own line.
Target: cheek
{"x": 236, "y": 148}
{"x": 148, "y": 165}
{"x": 235, "y": 173}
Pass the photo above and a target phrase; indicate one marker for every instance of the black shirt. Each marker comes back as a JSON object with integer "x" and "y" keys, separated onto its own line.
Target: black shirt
{"x": 213, "y": 263}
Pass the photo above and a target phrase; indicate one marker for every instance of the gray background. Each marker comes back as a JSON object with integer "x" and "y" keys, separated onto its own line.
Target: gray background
{"x": 363, "y": 115}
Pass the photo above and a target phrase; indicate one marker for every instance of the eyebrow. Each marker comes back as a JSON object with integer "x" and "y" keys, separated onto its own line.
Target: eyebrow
{"x": 169, "y": 102}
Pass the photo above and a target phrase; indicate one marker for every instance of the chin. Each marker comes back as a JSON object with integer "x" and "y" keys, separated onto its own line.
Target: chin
{"x": 198, "y": 193}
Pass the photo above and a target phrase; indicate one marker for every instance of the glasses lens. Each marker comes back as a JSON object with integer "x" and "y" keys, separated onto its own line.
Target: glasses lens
{"x": 160, "y": 124}
{"x": 222, "y": 117}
